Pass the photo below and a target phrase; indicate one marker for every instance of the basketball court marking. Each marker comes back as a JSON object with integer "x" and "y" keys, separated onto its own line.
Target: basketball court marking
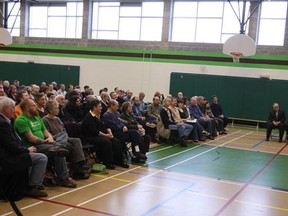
{"x": 145, "y": 177}
{"x": 249, "y": 182}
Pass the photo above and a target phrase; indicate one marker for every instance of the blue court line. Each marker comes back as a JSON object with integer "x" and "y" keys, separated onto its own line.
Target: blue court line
{"x": 262, "y": 141}
{"x": 167, "y": 200}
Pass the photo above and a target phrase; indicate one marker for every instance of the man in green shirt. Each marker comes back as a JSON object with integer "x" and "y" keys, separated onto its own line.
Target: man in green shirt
{"x": 33, "y": 131}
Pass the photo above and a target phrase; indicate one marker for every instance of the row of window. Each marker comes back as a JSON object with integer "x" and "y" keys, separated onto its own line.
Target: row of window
{"x": 191, "y": 21}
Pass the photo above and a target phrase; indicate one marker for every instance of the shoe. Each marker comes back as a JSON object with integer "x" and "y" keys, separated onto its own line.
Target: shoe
{"x": 138, "y": 160}
{"x": 123, "y": 164}
{"x": 150, "y": 125}
{"x": 205, "y": 133}
{"x": 183, "y": 142}
{"x": 210, "y": 137}
{"x": 140, "y": 156}
{"x": 35, "y": 192}
{"x": 69, "y": 183}
{"x": 155, "y": 140}
{"x": 80, "y": 176}
{"x": 267, "y": 139}
{"x": 224, "y": 132}
{"x": 57, "y": 151}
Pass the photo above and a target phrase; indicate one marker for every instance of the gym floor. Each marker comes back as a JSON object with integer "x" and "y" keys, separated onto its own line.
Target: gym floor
{"x": 235, "y": 174}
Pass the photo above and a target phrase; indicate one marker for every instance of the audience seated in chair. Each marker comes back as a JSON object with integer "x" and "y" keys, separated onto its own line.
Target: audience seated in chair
{"x": 108, "y": 147}
{"x": 73, "y": 145}
{"x": 217, "y": 111}
{"x": 183, "y": 129}
{"x": 33, "y": 132}
{"x": 120, "y": 131}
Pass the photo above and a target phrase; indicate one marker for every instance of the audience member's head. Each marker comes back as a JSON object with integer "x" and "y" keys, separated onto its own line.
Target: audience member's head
{"x": 156, "y": 100}
{"x": 129, "y": 94}
{"x": 104, "y": 96}
{"x": 167, "y": 102}
{"x": 180, "y": 103}
{"x": 214, "y": 99}
{"x": 201, "y": 100}
{"x": 51, "y": 96}
{"x": 121, "y": 93}
{"x": 276, "y": 107}
{"x": 141, "y": 96}
{"x": 194, "y": 100}
{"x": 135, "y": 100}
{"x": 126, "y": 107}
{"x": 40, "y": 99}
{"x": 180, "y": 95}
{"x": 116, "y": 89}
{"x": 95, "y": 106}
{"x": 70, "y": 87}
{"x": 51, "y": 107}
{"x": 113, "y": 95}
{"x": 60, "y": 99}
{"x": 16, "y": 83}
{"x": 13, "y": 89}
{"x": 86, "y": 87}
{"x": 2, "y": 92}
{"x": 113, "y": 106}
{"x": 22, "y": 95}
{"x": 173, "y": 102}
{"x": 29, "y": 108}
{"x": 7, "y": 107}
{"x": 62, "y": 87}
{"x": 6, "y": 84}
{"x": 186, "y": 101}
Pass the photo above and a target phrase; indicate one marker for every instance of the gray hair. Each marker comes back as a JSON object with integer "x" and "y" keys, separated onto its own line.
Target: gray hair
{"x": 112, "y": 102}
{"x": 5, "y": 101}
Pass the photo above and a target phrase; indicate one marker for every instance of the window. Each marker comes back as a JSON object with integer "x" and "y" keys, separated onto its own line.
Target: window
{"x": 63, "y": 20}
{"x": 206, "y": 22}
{"x": 272, "y": 23}
{"x": 14, "y": 18}
{"x": 127, "y": 21}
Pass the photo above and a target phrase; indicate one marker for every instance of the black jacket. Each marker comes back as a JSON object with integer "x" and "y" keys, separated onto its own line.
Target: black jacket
{"x": 14, "y": 156}
{"x": 165, "y": 118}
{"x": 281, "y": 116}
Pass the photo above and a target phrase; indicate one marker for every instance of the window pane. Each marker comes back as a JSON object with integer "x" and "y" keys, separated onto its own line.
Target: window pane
{"x": 185, "y": 9}
{"x": 271, "y": 32}
{"x": 108, "y": 35}
{"x": 57, "y": 11}
{"x": 108, "y": 18}
{"x": 184, "y": 29}
{"x": 71, "y": 9}
{"x": 11, "y": 21}
{"x": 79, "y": 9}
{"x": 79, "y": 27}
{"x": 129, "y": 29}
{"x": 208, "y": 30}
{"x": 130, "y": 11}
{"x": 151, "y": 29}
{"x": 71, "y": 27}
{"x": 95, "y": 16}
{"x": 37, "y": 33}
{"x": 56, "y": 27}
{"x": 210, "y": 9}
{"x": 15, "y": 9}
{"x": 94, "y": 35}
{"x": 152, "y": 9}
{"x": 38, "y": 17}
{"x": 273, "y": 9}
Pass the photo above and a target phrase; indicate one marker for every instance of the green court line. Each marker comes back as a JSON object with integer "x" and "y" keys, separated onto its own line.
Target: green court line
{"x": 229, "y": 164}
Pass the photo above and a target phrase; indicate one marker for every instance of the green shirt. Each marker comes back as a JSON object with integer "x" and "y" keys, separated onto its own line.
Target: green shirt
{"x": 25, "y": 124}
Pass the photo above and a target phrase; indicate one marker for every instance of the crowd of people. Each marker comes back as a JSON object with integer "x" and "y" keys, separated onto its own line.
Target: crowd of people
{"x": 46, "y": 126}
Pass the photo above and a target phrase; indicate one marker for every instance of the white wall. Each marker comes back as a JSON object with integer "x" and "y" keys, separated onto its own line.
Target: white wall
{"x": 138, "y": 76}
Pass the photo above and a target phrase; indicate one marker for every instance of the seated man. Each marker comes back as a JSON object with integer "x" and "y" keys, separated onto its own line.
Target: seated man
{"x": 217, "y": 111}
{"x": 15, "y": 158}
{"x": 184, "y": 130}
{"x": 276, "y": 119}
{"x": 21, "y": 95}
{"x": 32, "y": 130}
{"x": 154, "y": 109}
{"x": 120, "y": 131}
{"x": 203, "y": 120}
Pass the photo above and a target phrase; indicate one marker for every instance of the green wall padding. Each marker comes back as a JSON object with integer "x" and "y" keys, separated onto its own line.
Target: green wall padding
{"x": 240, "y": 97}
{"x": 31, "y": 73}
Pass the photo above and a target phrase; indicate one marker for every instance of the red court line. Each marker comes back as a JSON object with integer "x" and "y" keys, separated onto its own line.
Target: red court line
{"x": 74, "y": 206}
{"x": 249, "y": 182}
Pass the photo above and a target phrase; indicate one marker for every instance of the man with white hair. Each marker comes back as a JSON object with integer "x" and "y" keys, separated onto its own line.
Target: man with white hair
{"x": 14, "y": 157}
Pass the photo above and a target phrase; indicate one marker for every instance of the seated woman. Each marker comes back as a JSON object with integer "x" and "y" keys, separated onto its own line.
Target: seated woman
{"x": 56, "y": 128}
{"x": 108, "y": 148}
{"x": 131, "y": 123}
{"x": 104, "y": 101}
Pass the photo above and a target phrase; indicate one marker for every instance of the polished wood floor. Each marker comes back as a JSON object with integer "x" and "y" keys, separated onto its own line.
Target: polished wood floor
{"x": 237, "y": 174}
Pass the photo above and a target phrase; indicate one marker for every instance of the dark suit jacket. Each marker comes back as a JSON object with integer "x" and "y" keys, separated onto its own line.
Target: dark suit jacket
{"x": 281, "y": 116}
{"x": 165, "y": 118}
{"x": 14, "y": 156}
